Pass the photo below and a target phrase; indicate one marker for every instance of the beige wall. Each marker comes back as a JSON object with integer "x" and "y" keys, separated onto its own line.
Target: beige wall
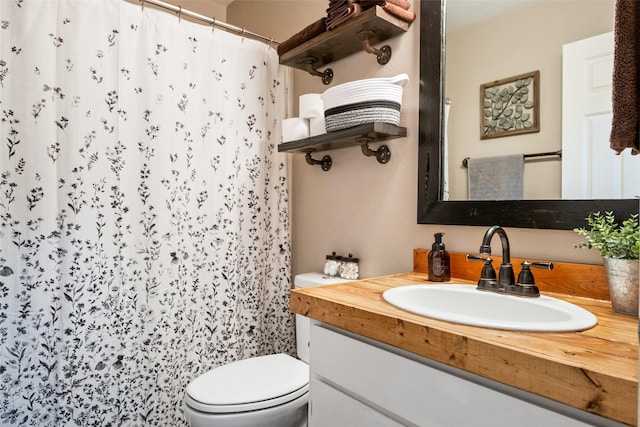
{"x": 507, "y": 46}
{"x": 208, "y": 8}
{"x": 361, "y": 206}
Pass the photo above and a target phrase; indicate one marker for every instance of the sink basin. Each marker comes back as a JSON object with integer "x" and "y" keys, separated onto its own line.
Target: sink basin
{"x": 466, "y": 305}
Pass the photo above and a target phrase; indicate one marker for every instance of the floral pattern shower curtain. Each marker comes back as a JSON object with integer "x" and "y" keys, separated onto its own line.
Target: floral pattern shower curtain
{"x": 144, "y": 233}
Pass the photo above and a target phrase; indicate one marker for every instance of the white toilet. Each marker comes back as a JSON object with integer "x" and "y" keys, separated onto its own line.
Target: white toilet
{"x": 264, "y": 391}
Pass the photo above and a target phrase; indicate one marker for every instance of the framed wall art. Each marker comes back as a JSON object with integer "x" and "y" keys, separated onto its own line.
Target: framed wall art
{"x": 510, "y": 106}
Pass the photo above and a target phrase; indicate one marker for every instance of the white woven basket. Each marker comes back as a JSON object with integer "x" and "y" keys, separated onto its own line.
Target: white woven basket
{"x": 364, "y": 101}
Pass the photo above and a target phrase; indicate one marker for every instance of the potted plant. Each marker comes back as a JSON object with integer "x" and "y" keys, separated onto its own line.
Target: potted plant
{"x": 619, "y": 244}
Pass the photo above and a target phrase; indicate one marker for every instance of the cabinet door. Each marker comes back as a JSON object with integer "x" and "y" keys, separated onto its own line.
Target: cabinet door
{"x": 330, "y": 407}
{"x": 413, "y": 391}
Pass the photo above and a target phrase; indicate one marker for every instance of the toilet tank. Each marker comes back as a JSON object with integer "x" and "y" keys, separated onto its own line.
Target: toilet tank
{"x": 303, "y": 324}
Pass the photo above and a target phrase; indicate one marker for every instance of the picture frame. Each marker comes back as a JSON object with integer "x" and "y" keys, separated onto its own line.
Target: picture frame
{"x": 510, "y": 106}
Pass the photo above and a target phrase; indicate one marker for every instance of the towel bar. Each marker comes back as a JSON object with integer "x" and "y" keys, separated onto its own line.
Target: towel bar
{"x": 465, "y": 161}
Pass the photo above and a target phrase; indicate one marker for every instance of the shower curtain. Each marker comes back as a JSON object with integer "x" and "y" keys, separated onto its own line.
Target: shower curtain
{"x": 144, "y": 231}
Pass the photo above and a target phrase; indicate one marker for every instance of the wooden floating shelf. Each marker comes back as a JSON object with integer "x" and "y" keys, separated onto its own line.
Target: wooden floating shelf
{"x": 345, "y": 39}
{"x": 358, "y": 135}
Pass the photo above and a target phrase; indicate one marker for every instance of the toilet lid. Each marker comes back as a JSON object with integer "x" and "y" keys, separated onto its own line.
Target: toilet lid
{"x": 249, "y": 384}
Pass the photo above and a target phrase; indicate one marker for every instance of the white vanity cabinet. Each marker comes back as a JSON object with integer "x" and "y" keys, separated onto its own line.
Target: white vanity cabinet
{"x": 357, "y": 382}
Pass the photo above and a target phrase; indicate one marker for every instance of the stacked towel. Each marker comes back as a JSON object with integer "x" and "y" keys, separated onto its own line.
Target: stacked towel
{"x": 309, "y": 32}
{"x": 404, "y": 4}
{"x": 397, "y": 8}
{"x": 625, "y": 130}
{"x": 340, "y": 11}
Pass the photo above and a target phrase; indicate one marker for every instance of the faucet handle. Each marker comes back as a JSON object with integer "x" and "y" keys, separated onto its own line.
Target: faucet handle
{"x": 471, "y": 257}
{"x": 526, "y": 277}
{"x": 526, "y": 285}
{"x": 539, "y": 264}
{"x": 487, "y": 270}
{"x": 488, "y": 276}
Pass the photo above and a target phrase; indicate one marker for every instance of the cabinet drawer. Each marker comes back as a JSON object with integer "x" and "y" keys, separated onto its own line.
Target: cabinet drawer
{"x": 331, "y": 407}
{"x": 414, "y": 393}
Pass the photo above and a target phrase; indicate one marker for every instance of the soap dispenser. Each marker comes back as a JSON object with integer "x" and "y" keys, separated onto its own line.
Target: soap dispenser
{"x": 439, "y": 261}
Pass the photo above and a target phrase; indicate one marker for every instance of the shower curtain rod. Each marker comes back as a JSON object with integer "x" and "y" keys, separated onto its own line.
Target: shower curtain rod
{"x": 211, "y": 21}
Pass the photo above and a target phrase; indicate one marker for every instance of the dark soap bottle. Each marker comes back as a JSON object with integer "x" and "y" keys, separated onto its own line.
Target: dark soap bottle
{"x": 439, "y": 261}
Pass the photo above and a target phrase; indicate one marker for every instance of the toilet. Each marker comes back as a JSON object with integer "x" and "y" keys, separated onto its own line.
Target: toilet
{"x": 264, "y": 391}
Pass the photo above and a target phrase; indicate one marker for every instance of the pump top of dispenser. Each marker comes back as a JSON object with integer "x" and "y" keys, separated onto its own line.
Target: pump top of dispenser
{"x": 438, "y": 245}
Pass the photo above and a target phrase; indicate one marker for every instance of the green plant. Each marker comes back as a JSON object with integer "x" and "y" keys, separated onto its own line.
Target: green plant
{"x": 613, "y": 240}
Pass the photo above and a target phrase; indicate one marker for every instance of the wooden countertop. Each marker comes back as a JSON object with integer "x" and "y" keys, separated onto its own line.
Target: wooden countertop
{"x": 594, "y": 370}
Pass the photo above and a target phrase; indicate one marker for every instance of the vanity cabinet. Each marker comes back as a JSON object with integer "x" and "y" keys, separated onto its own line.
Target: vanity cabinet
{"x": 356, "y": 382}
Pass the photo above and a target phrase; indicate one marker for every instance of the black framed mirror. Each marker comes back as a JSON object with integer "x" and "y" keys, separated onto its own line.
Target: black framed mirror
{"x": 549, "y": 214}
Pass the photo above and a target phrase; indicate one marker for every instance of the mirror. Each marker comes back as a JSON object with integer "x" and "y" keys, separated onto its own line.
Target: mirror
{"x": 541, "y": 213}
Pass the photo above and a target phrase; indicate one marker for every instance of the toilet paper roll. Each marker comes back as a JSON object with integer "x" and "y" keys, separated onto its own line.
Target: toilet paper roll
{"x": 295, "y": 128}
{"x": 311, "y": 105}
{"x": 317, "y": 126}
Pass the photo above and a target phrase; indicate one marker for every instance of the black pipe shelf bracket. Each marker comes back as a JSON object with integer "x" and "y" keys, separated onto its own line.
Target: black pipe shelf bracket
{"x": 382, "y": 154}
{"x": 366, "y": 37}
{"x": 327, "y": 74}
{"x": 383, "y": 54}
{"x": 325, "y": 163}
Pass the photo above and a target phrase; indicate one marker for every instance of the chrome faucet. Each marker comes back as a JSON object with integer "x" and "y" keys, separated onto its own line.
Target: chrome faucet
{"x": 506, "y": 283}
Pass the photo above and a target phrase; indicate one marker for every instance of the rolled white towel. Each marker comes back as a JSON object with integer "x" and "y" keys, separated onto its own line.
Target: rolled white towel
{"x": 311, "y": 106}
{"x": 295, "y": 128}
{"x": 317, "y": 126}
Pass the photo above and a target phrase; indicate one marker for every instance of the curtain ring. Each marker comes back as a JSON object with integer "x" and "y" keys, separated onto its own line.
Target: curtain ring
{"x": 142, "y": 5}
{"x": 179, "y": 13}
{"x": 213, "y": 23}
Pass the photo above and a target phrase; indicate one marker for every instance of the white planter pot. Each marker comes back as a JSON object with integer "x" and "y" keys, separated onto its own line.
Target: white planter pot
{"x": 622, "y": 275}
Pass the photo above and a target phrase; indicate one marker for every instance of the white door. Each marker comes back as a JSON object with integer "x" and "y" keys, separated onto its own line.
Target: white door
{"x": 590, "y": 169}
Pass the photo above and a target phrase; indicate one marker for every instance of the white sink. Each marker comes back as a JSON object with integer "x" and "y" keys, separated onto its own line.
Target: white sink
{"x": 467, "y": 305}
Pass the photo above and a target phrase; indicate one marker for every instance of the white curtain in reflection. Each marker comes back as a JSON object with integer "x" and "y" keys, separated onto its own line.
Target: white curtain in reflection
{"x": 445, "y": 151}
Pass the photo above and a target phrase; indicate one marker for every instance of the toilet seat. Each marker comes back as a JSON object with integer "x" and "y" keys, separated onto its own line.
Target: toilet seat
{"x": 249, "y": 385}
